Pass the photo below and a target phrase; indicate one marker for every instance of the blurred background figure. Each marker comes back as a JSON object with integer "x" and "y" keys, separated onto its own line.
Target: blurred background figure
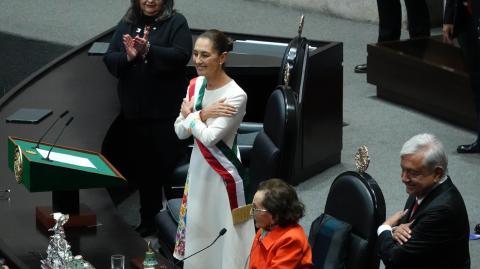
{"x": 390, "y": 22}
{"x": 461, "y": 21}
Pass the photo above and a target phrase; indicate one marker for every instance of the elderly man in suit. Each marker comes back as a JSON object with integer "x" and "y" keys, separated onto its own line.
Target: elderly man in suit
{"x": 432, "y": 230}
{"x": 462, "y": 20}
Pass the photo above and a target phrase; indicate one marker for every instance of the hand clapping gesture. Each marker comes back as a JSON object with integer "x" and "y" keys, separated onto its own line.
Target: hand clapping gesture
{"x": 136, "y": 46}
{"x": 447, "y": 33}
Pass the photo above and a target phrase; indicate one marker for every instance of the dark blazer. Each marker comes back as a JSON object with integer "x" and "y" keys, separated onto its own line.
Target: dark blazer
{"x": 456, "y": 14}
{"x": 152, "y": 88}
{"x": 439, "y": 233}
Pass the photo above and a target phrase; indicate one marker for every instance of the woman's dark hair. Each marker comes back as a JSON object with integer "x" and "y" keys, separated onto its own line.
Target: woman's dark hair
{"x": 134, "y": 13}
{"x": 221, "y": 42}
{"x": 281, "y": 200}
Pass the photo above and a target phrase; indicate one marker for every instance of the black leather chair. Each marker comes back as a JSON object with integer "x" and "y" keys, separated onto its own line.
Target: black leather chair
{"x": 271, "y": 156}
{"x": 345, "y": 235}
{"x": 295, "y": 57}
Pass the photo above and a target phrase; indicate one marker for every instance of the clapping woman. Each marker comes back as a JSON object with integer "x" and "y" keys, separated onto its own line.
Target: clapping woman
{"x": 148, "y": 54}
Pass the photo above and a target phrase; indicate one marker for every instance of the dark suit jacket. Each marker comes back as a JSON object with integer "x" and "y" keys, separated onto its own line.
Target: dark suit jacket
{"x": 439, "y": 233}
{"x": 456, "y": 14}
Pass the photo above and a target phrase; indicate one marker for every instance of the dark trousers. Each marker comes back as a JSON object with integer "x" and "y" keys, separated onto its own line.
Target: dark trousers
{"x": 390, "y": 19}
{"x": 470, "y": 44}
{"x": 145, "y": 152}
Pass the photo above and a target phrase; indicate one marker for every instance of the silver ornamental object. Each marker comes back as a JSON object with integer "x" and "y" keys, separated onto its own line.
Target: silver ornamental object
{"x": 286, "y": 74}
{"x": 300, "y": 25}
{"x": 18, "y": 165}
{"x": 59, "y": 255}
{"x": 362, "y": 160}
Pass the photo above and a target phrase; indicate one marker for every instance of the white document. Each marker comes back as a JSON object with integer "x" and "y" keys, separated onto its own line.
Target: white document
{"x": 67, "y": 158}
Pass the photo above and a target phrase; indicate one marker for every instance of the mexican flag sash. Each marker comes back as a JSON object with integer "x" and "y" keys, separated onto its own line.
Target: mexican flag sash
{"x": 223, "y": 160}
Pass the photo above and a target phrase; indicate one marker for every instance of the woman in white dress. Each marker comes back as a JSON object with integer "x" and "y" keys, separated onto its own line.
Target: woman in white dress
{"x": 214, "y": 193}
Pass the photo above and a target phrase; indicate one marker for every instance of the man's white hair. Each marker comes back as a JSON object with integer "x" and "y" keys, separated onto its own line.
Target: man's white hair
{"x": 432, "y": 149}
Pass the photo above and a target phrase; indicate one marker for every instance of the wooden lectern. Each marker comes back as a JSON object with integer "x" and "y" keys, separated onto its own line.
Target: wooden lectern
{"x": 65, "y": 172}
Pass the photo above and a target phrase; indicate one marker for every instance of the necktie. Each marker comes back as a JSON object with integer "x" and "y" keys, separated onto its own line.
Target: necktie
{"x": 414, "y": 208}
{"x": 469, "y": 7}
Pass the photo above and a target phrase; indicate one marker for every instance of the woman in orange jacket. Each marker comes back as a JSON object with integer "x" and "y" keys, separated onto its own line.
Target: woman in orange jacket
{"x": 280, "y": 242}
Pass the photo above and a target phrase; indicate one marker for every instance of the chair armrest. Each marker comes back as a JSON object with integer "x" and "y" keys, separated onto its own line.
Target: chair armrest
{"x": 250, "y": 127}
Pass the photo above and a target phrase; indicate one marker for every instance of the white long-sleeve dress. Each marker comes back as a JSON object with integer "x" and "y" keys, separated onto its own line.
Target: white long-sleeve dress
{"x": 206, "y": 206}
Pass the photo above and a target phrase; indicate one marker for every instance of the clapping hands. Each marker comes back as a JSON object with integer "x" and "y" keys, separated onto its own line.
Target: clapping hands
{"x": 137, "y": 45}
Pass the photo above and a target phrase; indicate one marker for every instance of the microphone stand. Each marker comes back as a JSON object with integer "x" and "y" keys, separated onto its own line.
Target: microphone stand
{"x": 59, "y": 135}
{"x": 49, "y": 128}
{"x": 221, "y": 233}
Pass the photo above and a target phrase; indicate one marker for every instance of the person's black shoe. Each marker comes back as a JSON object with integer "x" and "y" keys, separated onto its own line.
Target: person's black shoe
{"x": 361, "y": 68}
{"x": 471, "y": 148}
{"x": 477, "y": 228}
{"x": 145, "y": 229}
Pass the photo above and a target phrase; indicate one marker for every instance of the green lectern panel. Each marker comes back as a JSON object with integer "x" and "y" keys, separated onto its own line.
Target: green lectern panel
{"x": 66, "y": 169}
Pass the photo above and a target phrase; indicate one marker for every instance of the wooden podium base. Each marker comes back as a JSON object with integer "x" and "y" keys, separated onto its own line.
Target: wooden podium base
{"x": 84, "y": 218}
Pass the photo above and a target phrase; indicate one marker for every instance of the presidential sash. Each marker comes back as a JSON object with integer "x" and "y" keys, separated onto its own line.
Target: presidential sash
{"x": 223, "y": 160}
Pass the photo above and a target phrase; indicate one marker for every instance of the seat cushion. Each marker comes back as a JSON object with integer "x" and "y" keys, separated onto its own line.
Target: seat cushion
{"x": 177, "y": 182}
{"x": 167, "y": 222}
{"x": 330, "y": 242}
{"x": 173, "y": 208}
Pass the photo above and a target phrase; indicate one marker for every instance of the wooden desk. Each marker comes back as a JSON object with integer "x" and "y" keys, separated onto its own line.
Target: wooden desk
{"x": 424, "y": 74}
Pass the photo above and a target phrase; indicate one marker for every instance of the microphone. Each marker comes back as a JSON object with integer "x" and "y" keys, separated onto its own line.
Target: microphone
{"x": 221, "y": 233}
{"x": 5, "y": 196}
{"x": 51, "y": 126}
{"x": 59, "y": 135}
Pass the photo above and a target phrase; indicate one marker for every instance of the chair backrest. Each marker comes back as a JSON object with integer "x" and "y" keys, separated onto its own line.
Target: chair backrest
{"x": 274, "y": 146}
{"x": 296, "y": 55}
{"x": 356, "y": 199}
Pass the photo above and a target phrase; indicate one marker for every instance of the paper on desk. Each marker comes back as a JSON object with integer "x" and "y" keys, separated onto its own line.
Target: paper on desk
{"x": 67, "y": 158}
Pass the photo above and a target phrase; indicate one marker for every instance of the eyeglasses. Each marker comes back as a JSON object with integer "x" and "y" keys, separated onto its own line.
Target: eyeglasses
{"x": 254, "y": 209}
